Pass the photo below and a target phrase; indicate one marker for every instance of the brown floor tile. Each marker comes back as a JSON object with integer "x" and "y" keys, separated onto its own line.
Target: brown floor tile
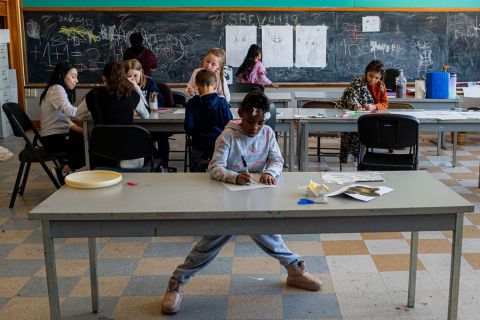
{"x": 68, "y": 268}
{"x": 138, "y": 308}
{"x": 259, "y": 307}
{"x": 208, "y": 285}
{"x": 108, "y": 286}
{"x": 473, "y": 259}
{"x": 21, "y": 308}
{"x": 434, "y": 169}
{"x": 9, "y": 286}
{"x": 255, "y": 265}
{"x": 433, "y": 246}
{"x": 14, "y": 236}
{"x": 306, "y": 248}
{"x": 471, "y": 197}
{"x": 463, "y": 175}
{"x": 394, "y": 262}
{"x": 173, "y": 239}
{"x": 344, "y": 247}
{"x": 450, "y": 182}
{"x": 28, "y": 251}
{"x": 473, "y": 217}
{"x": 468, "y": 232}
{"x": 381, "y": 235}
{"x": 157, "y": 266}
{"x": 122, "y": 250}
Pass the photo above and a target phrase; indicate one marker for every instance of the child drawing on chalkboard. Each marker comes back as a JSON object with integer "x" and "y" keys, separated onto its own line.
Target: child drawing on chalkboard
{"x": 214, "y": 61}
{"x": 252, "y": 69}
{"x": 364, "y": 93}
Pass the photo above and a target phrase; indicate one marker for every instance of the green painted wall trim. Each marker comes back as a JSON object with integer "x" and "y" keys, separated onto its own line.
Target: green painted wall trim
{"x": 255, "y": 3}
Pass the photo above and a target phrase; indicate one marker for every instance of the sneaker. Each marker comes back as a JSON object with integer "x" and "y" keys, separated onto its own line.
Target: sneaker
{"x": 173, "y": 297}
{"x": 299, "y": 277}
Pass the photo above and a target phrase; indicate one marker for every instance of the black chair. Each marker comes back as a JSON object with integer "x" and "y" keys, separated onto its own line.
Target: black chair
{"x": 390, "y": 75}
{"x": 113, "y": 143}
{"x": 325, "y": 151}
{"x": 387, "y": 131}
{"x": 245, "y": 87}
{"x": 273, "y": 116}
{"x": 166, "y": 93}
{"x": 33, "y": 152}
{"x": 180, "y": 101}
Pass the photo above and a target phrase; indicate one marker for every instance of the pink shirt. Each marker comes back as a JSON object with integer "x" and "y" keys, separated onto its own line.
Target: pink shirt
{"x": 258, "y": 75}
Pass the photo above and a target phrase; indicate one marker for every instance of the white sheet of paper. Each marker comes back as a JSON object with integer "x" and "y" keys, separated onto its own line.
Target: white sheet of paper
{"x": 277, "y": 46}
{"x": 255, "y": 184}
{"x": 471, "y": 115}
{"x": 381, "y": 191}
{"x": 237, "y": 41}
{"x": 471, "y": 92}
{"x": 445, "y": 115}
{"x": 311, "y": 46}
{"x": 179, "y": 111}
{"x": 416, "y": 114}
{"x": 351, "y": 177}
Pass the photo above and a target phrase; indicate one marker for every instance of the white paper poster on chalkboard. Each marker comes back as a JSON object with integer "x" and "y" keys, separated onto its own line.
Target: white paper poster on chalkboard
{"x": 277, "y": 46}
{"x": 237, "y": 41}
{"x": 311, "y": 46}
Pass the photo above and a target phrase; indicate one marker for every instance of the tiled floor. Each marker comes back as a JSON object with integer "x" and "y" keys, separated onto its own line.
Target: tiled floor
{"x": 365, "y": 274}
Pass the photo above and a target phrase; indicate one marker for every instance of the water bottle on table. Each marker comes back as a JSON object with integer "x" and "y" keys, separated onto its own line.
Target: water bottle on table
{"x": 401, "y": 85}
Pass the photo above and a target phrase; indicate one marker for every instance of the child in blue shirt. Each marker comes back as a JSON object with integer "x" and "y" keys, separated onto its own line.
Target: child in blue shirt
{"x": 258, "y": 146}
{"x": 205, "y": 118}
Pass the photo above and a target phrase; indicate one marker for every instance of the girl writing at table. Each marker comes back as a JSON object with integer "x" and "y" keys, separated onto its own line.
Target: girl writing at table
{"x": 252, "y": 69}
{"x": 147, "y": 88}
{"x": 214, "y": 61}
{"x": 242, "y": 148}
{"x": 58, "y": 132}
{"x": 366, "y": 93}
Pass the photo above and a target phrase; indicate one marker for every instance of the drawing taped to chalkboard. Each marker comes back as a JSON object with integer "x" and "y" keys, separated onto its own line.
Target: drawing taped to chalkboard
{"x": 311, "y": 46}
{"x": 277, "y": 46}
{"x": 237, "y": 41}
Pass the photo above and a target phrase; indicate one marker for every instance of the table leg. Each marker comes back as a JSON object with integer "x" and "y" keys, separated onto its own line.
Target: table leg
{"x": 454, "y": 151}
{"x": 291, "y": 146}
{"x": 92, "y": 254}
{"x": 455, "y": 268}
{"x": 52, "y": 281}
{"x": 303, "y": 153}
{"x": 412, "y": 275}
{"x": 439, "y": 142}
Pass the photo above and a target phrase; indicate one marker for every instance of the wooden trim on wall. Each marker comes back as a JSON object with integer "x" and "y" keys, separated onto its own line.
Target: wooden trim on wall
{"x": 14, "y": 23}
{"x": 3, "y": 8}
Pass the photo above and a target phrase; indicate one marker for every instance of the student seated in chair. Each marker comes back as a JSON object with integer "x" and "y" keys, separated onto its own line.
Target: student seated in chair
{"x": 114, "y": 103}
{"x": 205, "y": 118}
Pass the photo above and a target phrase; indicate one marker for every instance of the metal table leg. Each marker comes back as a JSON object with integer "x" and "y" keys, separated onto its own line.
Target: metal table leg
{"x": 454, "y": 151}
{"x": 52, "y": 281}
{"x": 412, "y": 275}
{"x": 455, "y": 268}
{"x": 92, "y": 255}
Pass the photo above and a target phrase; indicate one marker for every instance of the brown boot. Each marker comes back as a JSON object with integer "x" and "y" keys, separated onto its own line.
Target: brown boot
{"x": 173, "y": 297}
{"x": 300, "y": 278}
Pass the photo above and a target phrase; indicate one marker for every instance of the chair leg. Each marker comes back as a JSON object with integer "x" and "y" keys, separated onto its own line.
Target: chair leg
{"x": 50, "y": 175}
{"x": 318, "y": 149}
{"x": 17, "y": 184}
{"x": 24, "y": 180}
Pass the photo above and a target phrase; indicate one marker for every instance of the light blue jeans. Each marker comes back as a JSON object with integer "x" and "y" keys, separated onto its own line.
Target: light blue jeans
{"x": 209, "y": 246}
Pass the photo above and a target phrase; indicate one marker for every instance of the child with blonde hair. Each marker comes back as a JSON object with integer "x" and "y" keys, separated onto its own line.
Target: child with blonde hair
{"x": 214, "y": 61}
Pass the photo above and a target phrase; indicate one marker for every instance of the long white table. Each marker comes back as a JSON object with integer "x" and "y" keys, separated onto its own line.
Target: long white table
{"x": 281, "y": 99}
{"x": 185, "y": 204}
{"x": 334, "y": 123}
{"x": 173, "y": 121}
{"x": 303, "y": 97}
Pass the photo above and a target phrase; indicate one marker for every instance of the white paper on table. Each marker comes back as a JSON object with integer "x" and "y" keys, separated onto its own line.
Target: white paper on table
{"x": 237, "y": 41}
{"x": 471, "y": 115}
{"x": 311, "y": 46}
{"x": 471, "y": 92}
{"x": 179, "y": 111}
{"x": 445, "y": 115}
{"x": 416, "y": 114}
{"x": 350, "y": 177}
{"x": 381, "y": 191}
{"x": 255, "y": 184}
{"x": 277, "y": 46}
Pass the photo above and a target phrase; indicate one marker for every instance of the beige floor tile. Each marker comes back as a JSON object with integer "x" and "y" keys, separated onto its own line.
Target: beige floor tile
{"x": 68, "y": 268}
{"x": 255, "y": 265}
{"x": 344, "y": 247}
{"x": 471, "y": 197}
{"x": 157, "y": 266}
{"x": 473, "y": 217}
{"x": 255, "y": 307}
{"x": 306, "y": 248}
{"x": 138, "y": 308}
{"x": 228, "y": 250}
{"x": 243, "y": 238}
{"x": 173, "y": 239}
{"x": 20, "y": 308}
{"x": 434, "y": 246}
{"x": 450, "y": 182}
{"x": 208, "y": 285}
{"x": 3, "y": 220}
{"x": 9, "y": 286}
{"x": 108, "y": 286}
{"x": 394, "y": 262}
{"x": 28, "y": 251}
{"x": 434, "y": 169}
{"x": 122, "y": 250}
{"x": 473, "y": 259}
{"x": 14, "y": 236}
{"x": 462, "y": 175}
{"x": 381, "y": 235}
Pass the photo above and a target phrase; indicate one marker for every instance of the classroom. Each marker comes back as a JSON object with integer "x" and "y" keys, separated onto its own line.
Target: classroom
{"x": 156, "y": 155}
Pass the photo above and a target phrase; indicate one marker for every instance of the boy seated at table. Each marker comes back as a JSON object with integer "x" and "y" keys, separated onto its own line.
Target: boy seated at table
{"x": 205, "y": 118}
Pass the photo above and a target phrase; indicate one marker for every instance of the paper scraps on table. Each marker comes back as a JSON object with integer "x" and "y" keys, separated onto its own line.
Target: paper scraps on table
{"x": 361, "y": 191}
{"x": 351, "y": 177}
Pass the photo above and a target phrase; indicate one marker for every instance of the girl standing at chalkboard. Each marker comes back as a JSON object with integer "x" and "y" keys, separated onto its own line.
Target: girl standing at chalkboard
{"x": 214, "y": 61}
{"x": 59, "y": 133}
{"x": 142, "y": 54}
{"x": 252, "y": 69}
{"x": 364, "y": 93}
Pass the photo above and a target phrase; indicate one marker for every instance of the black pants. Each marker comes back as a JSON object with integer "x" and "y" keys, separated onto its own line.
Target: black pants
{"x": 163, "y": 147}
{"x": 70, "y": 143}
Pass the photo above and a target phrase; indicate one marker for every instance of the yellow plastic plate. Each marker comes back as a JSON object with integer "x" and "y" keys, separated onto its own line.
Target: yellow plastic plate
{"x": 93, "y": 179}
